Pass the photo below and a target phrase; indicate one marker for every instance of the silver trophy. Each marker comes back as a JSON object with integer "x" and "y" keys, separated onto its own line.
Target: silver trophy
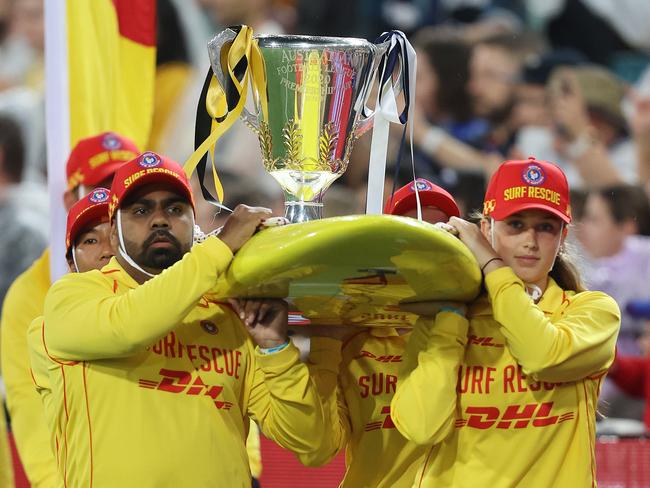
{"x": 316, "y": 88}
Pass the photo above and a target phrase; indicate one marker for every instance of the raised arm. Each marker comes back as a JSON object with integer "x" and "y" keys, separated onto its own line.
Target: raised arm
{"x": 85, "y": 319}
{"x": 424, "y": 406}
{"x": 576, "y": 342}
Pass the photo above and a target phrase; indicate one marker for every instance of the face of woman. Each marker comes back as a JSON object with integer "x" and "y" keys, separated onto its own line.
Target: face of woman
{"x": 528, "y": 242}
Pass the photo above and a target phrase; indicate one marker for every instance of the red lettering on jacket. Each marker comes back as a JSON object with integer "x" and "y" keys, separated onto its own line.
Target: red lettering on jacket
{"x": 514, "y": 381}
{"x": 377, "y": 384}
{"x": 219, "y": 360}
{"x": 382, "y": 359}
{"x": 475, "y": 379}
{"x": 386, "y": 423}
{"x": 482, "y": 341}
{"x": 174, "y": 381}
{"x": 513, "y": 417}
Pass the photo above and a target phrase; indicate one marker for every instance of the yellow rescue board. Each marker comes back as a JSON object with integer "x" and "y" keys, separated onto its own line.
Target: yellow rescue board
{"x": 354, "y": 270}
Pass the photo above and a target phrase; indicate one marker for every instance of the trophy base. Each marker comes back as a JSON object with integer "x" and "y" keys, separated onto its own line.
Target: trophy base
{"x": 296, "y": 212}
{"x": 355, "y": 270}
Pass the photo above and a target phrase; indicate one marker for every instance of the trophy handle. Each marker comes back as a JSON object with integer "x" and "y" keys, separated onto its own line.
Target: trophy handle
{"x": 215, "y": 47}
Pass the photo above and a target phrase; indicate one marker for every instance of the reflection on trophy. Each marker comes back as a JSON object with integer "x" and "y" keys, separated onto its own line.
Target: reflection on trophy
{"x": 308, "y": 110}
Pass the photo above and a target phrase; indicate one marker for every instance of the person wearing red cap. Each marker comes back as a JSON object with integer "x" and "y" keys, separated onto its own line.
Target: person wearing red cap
{"x": 91, "y": 164}
{"x": 358, "y": 369}
{"x": 88, "y": 248}
{"x": 523, "y": 370}
{"x": 152, "y": 380}
{"x": 437, "y": 204}
{"x": 87, "y": 237}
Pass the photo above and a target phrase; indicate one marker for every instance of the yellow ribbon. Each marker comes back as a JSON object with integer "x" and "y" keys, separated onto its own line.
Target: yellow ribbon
{"x": 215, "y": 101}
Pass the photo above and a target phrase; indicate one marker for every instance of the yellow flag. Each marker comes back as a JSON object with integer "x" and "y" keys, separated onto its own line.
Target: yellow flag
{"x": 112, "y": 64}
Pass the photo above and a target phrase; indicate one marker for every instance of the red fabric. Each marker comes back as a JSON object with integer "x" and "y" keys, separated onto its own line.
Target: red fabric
{"x": 623, "y": 463}
{"x": 632, "y": 375}
{"x": 20, "y": 478}
{"x": 137, "y": 20}
{"x": 281, "y": 469}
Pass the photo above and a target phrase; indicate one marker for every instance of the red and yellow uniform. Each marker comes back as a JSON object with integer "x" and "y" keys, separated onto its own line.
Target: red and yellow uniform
{"x": 366, "y": 368}
{"x": 91, "y": 161}
{"x": 151, "y": 385}
{"x": 23, "y": 302}
{"x": 522, "y": 412}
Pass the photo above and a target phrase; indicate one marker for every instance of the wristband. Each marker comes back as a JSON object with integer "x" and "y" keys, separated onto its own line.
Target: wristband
{"x": 488, "y": 262}
{"x": 457, "y": 311}
{"x": 271, "y": 350}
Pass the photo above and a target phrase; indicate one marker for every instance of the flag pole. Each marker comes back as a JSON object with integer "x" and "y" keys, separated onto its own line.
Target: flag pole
{"x": 57, "y": 119}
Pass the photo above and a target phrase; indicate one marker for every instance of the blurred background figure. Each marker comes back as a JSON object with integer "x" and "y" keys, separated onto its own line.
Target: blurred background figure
{"x": 591, "y": 133}
{"x": 23, "y": 235}
{"x": 614, "y": 231}
{"x": 22, "y": 80}
{"x": 631, "y": 373}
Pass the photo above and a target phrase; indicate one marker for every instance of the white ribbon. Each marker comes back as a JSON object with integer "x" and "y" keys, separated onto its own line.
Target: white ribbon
{"x": 386, "y": 112}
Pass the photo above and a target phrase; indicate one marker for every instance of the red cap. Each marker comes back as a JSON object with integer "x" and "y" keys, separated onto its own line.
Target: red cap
{"x": 431, "y": 195}
{"x": 96, "y": 158}
{"x": 148, "y": 168}
{"x": 93, "y": 207}
{"x": 521, "y": 185}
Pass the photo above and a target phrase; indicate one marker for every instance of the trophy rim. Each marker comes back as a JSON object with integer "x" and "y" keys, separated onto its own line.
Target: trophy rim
{"x": 311, "y": 42}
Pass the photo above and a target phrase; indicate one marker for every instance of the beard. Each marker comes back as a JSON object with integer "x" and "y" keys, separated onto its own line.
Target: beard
{"x": 159, "y": 257}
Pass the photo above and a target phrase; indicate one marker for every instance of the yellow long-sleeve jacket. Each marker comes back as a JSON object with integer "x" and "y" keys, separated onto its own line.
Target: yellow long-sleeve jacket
{"x": 151, "y": 385}
{"x": 23, "y": 303}
{"x": 366, "y": 368}
{"x": 523, "y": 409}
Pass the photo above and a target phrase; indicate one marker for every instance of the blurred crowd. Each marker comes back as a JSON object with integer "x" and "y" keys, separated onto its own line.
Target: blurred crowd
{"x": 562, "y": 80}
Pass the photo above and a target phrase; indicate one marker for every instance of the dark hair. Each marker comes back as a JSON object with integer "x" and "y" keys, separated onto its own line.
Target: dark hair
{"x": 449, "y": 58}
{"x": 12, "y": 148}
{"x": 627, "y": 202}
{"x": 564, "y": 271}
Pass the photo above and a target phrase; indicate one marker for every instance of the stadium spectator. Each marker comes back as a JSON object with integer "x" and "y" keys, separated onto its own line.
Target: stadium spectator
{"x": 591, "y": 132}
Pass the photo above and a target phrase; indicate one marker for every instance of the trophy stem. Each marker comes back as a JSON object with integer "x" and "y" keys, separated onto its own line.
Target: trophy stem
{"x": 301, "y": 211}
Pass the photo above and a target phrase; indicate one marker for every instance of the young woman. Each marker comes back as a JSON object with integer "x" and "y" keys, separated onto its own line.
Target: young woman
{"x": 529, "y": 358}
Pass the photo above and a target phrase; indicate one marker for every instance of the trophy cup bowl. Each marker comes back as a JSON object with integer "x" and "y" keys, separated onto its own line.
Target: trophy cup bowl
{"x": 310, "y": 111}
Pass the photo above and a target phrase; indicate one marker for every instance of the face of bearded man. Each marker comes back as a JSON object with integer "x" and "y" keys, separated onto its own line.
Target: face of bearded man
{"x": 157, "y": 227}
